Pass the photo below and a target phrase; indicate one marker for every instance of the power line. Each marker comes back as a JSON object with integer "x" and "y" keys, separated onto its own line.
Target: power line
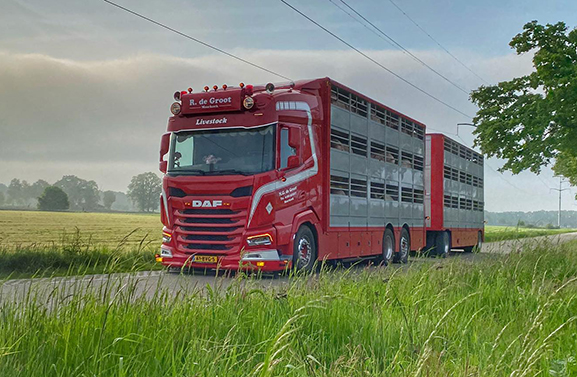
{"x": 498, "y": 173}
{"x": 394, "y": 42}
{"x": 437, "y": 42}
{"x": 197, "y": 40}
{"x": 374, "y": 61}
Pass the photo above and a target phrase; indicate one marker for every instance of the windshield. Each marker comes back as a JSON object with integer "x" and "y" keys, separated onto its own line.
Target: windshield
{"x": 232, "y": 151}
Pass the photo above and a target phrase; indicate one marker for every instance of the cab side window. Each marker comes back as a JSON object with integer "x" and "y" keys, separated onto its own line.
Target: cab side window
{"x": 285, "y": 150}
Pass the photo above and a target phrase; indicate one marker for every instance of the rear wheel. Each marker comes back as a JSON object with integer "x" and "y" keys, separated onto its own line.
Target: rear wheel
{"x": 304, "y": 250}
{"x": 402, "y": 256}
{"x": 442, "y": 245}
{"x": 388, "y": 246}
{"x": 476, "y": 248}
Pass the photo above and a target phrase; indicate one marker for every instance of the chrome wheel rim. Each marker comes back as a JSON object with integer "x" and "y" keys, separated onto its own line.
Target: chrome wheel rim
{"x": 304, "y": 252}
{"x": 404, "y": 246}
{"x": 388, "y": 248}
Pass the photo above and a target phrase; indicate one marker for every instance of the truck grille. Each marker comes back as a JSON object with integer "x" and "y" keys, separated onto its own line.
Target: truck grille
{"x": 206, "y": 230}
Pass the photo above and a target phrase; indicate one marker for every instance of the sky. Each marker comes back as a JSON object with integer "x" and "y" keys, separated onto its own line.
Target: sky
{"x": 85, "y": 88}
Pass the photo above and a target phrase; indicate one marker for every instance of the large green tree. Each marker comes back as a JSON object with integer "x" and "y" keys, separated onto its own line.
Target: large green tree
{"x": 108, "y": 199}
{"x": 83, "y": 194}
{"x": 53, "y": 199}
{"x": 531, "y": 121}
{"x": 144, "y": 191}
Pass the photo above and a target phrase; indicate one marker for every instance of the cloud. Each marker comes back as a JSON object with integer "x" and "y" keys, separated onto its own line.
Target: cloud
{"x": 103, "y": 119}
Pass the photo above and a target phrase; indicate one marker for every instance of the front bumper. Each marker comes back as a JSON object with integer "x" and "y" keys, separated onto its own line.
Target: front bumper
{"x": 268, "y": 260}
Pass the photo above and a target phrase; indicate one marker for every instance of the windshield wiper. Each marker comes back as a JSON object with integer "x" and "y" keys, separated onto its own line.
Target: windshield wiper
{"x": 226, "y": 171}
{"x": 188, "y": 171}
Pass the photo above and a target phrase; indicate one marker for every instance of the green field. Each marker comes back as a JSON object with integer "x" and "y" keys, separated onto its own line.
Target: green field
{"x": 61, "y": 243}
{"x": 502, "y": 316}
{"x": 502, "y": 233}
{"x": 26, "y": 228}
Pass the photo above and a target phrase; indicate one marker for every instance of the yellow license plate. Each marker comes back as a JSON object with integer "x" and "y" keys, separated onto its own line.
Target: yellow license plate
{"x": 205, "y": 259}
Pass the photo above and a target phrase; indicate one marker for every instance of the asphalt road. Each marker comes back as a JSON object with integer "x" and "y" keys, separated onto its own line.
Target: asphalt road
{"x": 50, "y": 291}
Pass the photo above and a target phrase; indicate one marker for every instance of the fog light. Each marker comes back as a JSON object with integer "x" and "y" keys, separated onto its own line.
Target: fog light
{"x": 259, "y": 240}
{"x": 158, "y": 258}
{"x": 175, "y": 108}
{"x": 260, "y": 264}
{"x": 248, "y": 103}
{"x": 166, "y": 237}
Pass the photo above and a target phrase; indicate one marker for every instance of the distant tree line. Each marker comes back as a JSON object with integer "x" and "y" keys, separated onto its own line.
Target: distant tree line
{"x": 541, "y": 219}
{"x": 77, "y": 194}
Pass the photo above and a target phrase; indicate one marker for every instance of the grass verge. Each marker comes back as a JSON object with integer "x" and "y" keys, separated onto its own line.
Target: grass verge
{"x": 511, "y": 315}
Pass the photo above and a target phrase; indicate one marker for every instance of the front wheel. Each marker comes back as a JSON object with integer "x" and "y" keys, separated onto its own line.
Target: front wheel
{"x": 304, "y": 250}
{"x": 402, "y": 256}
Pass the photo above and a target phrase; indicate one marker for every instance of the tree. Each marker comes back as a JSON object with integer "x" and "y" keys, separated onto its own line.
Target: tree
{"x": 2, "y": 198}
{"x": 108, "y": 198}
{"x": 53, "y": 199}
{"x": 82, "y": 194}
{"x": 144, "y": 191}
{"x": 531, "y": 121}
{"x": 15, "y": 193}
{"x": 37, "y": 188}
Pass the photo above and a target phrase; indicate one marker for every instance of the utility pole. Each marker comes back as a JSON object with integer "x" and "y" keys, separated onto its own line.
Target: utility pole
{"x": 560, "y": 189}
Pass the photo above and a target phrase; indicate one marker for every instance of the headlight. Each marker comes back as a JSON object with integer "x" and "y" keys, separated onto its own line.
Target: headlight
{"x": 175, "y": 108}
{"x": 260, "y": 240}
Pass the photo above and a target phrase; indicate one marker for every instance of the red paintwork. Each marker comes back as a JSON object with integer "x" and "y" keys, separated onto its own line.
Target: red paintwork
{"x": 311, "y": 199}
{"x": 460, "y": 237}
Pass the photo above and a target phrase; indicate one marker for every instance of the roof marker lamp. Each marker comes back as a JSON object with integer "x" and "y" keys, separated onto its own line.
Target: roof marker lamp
{"x": 175, "y": 108}
{"x": 206, "y": 88}
{"x": 241, "y": 85}
{"x": 269, "y": 87}
{"x": 190, "y": 90}
{"x": 249, "y": 90}
{"x": 215, "y": 88}
{"x": 177, "y": 96}
{"x": 224, "y": 86}
{"x": 259, "y": 240}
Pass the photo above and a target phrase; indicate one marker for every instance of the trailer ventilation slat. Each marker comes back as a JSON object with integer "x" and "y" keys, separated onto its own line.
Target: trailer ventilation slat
{"x": 391, "y": 154}
{"x": 358, "y": 188}
{"x": 377, "y": 190}
{"x": 392, "y": 193}
{"x": 359, "y": 145}
{"x": 377, "y": 151}
{"x": 339, "y": 185}
{"x": 339, "y": 140}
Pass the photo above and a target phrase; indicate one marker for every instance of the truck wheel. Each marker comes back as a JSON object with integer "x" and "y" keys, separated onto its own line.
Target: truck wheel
{"x": 442, "y": 245}
{"x": 402, "y": 256}
{"x": 388, "y": 246}
{"x": 304, "y": 250}
{"x": 476, "y": 248}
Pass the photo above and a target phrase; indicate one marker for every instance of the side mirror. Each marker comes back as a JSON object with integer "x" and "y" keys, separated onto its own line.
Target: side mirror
{"x": 164, "y": 147}
{"x": 294, "y": 138}
{"x": 163, "y": 166}
{"x": 293, "y": 162}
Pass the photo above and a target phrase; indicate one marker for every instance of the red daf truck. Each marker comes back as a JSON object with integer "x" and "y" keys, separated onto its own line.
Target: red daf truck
{"x": 278, "y": 176}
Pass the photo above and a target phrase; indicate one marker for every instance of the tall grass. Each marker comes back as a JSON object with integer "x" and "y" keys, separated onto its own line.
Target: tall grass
{"x": 76, "y": 254}
{"x": 507, "y": 316}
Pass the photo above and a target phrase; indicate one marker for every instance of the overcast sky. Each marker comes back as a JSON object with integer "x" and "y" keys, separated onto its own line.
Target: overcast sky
{"x": 85, "y": 88}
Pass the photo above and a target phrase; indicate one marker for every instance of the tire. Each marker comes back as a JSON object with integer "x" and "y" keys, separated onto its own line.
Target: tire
{"x": 476, "y": 248}
{"x": 304, "y": 250}
{"x": 442, "y": 245}
{"x": 402, "y": 255}
{"x": 388, "y": 247}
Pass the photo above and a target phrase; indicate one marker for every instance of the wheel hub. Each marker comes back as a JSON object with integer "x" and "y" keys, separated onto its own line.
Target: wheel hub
{"x": 304, "y": 252}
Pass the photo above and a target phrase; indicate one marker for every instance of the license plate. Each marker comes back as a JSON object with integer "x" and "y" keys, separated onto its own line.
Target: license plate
{"x": 205, "y": 259}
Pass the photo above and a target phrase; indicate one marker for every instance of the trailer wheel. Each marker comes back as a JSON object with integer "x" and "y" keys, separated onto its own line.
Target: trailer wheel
{"x": 304, "y": 249}
{"x": 476, "y": 248}
{"x": 402, "y": 256}
{"x": 388, "y": 246}
{"x": 442, "y": 245}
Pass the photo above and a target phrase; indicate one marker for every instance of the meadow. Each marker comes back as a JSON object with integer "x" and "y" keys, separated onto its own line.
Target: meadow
{"x": 509, "y": 315}
{"x": 34, "y": 243}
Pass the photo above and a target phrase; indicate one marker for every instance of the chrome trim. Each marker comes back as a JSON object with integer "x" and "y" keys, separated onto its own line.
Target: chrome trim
{"x": 165, "y": 201}
{"x": 261, "y": 255}
{"x": 277, "y": 185}
{"x": 165, "y": 253}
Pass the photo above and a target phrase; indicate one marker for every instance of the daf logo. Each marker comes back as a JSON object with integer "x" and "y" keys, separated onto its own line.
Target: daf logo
{"x": 207, "y": 203}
